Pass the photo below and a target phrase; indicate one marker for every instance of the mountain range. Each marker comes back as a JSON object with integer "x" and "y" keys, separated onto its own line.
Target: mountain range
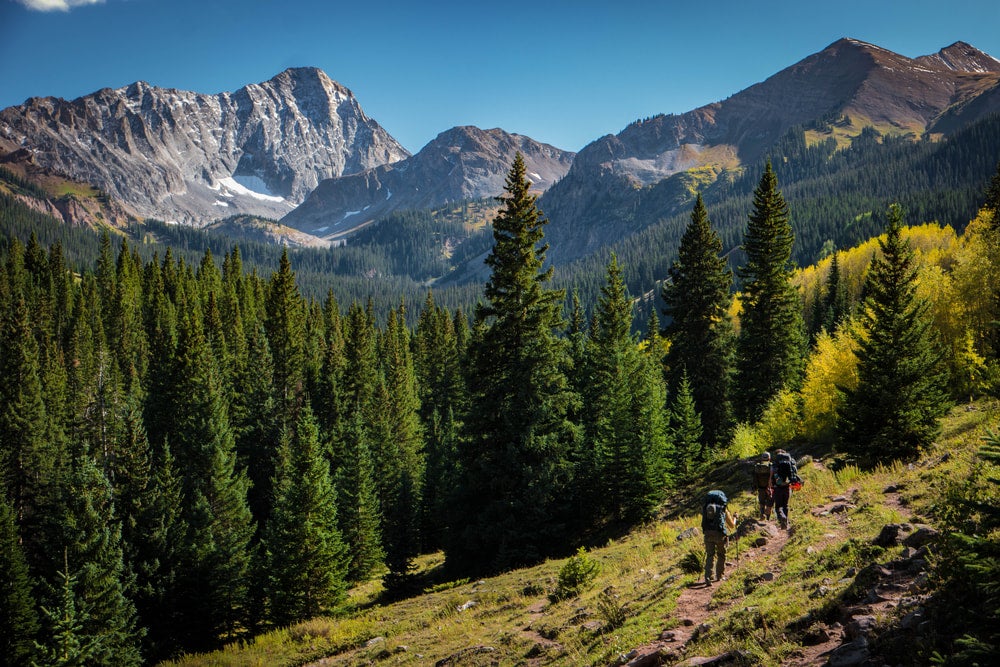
{"x": 298, "y": 148}
{"x": 192, "y": 158}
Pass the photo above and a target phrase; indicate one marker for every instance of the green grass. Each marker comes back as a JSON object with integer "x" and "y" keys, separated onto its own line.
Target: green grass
{"x": 632, "y": 598}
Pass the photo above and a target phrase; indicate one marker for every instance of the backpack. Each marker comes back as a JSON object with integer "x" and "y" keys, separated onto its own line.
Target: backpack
{"x": 713, "y": 512}
{"x": 762, "y": 475}
{"x": 785, "y": 472}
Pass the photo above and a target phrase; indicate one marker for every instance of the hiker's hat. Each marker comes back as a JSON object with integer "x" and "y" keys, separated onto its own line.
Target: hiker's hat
{"x": 766, "y": 456}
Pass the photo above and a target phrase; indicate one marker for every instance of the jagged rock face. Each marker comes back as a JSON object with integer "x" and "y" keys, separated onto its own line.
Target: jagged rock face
{"x": 463, "y": 163}
{"x": 193, "y": 158}
{"x": 938, "y": 93}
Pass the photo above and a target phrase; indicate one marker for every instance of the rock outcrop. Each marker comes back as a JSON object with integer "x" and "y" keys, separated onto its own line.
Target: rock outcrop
{"x": 463, "y": 163}
{"x": 193, "y": 158}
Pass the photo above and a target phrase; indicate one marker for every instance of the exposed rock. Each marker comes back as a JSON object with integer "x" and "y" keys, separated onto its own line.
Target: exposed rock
{"x": 465, "y": 606}
{"x": 852, "y": 654}
{"x": 192, "y": 157}
{"x": 889, "y": 536}
{"x": 464, "y": 163}
{"x": 921, "y": 536}
{"x": 688, "y": 534}
{"x": 861, "y": 626}
{"x": 375, "y": 641}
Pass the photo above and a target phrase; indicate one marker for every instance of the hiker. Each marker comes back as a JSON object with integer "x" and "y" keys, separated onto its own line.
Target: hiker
{"x": 714, "y": 520}
{"x": 786, "y": 477}
{"x": 763, "y": 481}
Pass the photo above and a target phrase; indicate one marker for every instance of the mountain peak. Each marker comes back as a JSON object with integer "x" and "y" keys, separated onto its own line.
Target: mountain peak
{"x": 961, "y": 57}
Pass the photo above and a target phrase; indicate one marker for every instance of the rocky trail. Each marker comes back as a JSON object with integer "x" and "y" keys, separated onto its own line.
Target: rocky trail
{"x": 875, "y": 592}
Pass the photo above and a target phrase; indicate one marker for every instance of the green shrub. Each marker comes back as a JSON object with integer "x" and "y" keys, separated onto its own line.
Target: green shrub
{"x": 576, "y": 575}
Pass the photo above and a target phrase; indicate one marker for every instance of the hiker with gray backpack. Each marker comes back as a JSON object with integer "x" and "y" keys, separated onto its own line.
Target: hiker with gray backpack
{"x": 763, "y": 482}
{"x": 716, "y": 523}
{"x": 786, "y": 478}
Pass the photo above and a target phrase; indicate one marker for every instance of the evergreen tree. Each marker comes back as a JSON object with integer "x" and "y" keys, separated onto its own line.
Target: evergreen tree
{"x": 214, "y": 576}
{"x": 697, "y": 297}
{"x": 28, "y": 459}
{"x": 360, "y": 522}
{"x": 510, "y": 502}
{"x": 404, "y": 467}
{"x": 686, "y": 427}
{"x": 992, "y": 196}
{"x": 901, "y": 393}
{"x": 67, "y": 645}
{"x": 624, "y": 421}
{"x": 18, "y": 619}
{"x": 286, "y": 336}
{"x": 158, "y": 548}
{"x": 90, "y": 533}
{"x": 771, "y": 343}
{"x": 439, "y": 380}
{"x": 306, "y": 558}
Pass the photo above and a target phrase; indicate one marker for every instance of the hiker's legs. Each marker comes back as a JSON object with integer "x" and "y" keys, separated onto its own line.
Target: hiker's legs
{"x": 715, "y": 550}
{"x": 765, "y": 501}
{"x": 781, "y": 494}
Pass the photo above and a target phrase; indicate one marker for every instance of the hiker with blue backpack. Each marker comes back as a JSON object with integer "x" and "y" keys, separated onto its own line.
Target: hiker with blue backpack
{"x": 786, "y": 478}
{"x": 716, "y": 524}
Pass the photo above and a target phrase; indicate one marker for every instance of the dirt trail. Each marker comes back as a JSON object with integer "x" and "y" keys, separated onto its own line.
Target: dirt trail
{"x": 699, "y": 604}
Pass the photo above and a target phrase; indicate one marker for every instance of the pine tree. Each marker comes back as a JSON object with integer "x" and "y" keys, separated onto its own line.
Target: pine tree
{"x": 510, "y": 503}
{"x": 770, "y": 348}
{"x": 360, "y": 522}
{"x": 404, "y": 467}
{"x": 306, "y": 558}
{"x": 697, "y": 298}
{"x": 625, "y": 420}
{"x": 685, "y": 424}
{"x": 18, "y": 619}
{"x": 90, "y": 534}
{"x": 901, "y": 393}
{"x": 67, "y": 645}
{"x": 286, "y": 336}
{"x": 439, "y": 380}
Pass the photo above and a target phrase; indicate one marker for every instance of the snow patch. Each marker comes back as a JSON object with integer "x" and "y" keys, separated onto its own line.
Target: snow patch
{"x": 535, "y": 176}
{"x": 254, "y": 183}
{"x": 221, "y": 203}
{"x": 388, "y": 195}
{"x": 350, "y": 213}
{"x": 235, "y": 187}
{"x": 322, "y": 229}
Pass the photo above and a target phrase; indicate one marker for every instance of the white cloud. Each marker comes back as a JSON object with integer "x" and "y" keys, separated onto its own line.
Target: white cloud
{"x": 57, "y": 5}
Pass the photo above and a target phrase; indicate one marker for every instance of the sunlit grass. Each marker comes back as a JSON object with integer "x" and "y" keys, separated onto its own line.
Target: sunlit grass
{"x": 634, "y": 596}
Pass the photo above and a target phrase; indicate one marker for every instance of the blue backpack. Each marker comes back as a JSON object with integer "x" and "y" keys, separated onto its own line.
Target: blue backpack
{"x": 713, "y": 512}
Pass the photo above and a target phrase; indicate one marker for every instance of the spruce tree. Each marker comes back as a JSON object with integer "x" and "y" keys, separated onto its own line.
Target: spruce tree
{"x": 509, "y": 507}
{"x": 697, "y": 297}
{"x": 771, "y": 344}
{"x": 90, "y": 534}
{"x": 66, "y": 644}
{"x": 405, "y": 462}
{"x": 686, "y": 428}
{"x": 286, "y": 335}
{"x": 305, "y": 556}
{"x": 625, "y": 420}
{"x": 901, "y": 394}
{"x": 358, "y": 507}
{"x": 18, "y": 618}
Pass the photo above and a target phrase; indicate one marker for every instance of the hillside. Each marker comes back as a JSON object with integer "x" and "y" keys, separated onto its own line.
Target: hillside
{"x": 839, "y": 583}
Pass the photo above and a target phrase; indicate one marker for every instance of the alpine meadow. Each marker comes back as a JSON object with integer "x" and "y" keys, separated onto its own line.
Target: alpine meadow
{"x": 277, "y": 392}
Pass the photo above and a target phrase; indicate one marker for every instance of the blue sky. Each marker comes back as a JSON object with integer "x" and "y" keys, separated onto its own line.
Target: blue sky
{"x": 563, "y": 72}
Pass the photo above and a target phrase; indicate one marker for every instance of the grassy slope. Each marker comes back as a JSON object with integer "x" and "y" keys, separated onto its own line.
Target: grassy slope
{"x": 512, "y": 621}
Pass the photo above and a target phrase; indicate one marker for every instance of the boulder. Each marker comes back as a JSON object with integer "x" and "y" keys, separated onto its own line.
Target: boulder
{"x": 921, "y": 536}
{"x": 851, "y": 654}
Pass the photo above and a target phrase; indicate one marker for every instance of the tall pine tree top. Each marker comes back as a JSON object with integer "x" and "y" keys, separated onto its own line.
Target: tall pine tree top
{"x": 771, "y": 344}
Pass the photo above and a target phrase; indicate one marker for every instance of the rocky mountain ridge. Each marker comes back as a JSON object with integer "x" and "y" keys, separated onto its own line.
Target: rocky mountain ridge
{"x": 868, "y": 85}
{"x": 463, "y": 163}
{"x": 192, "y": 157}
